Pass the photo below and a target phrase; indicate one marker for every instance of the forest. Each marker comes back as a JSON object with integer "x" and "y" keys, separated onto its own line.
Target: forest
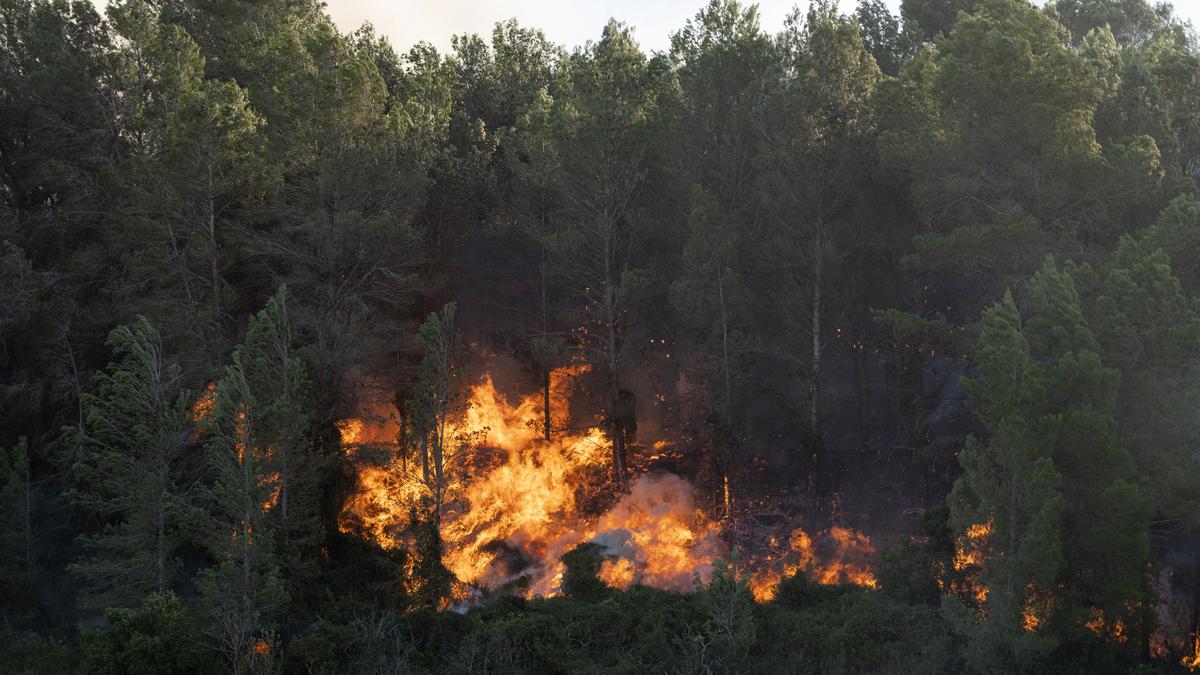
{"x": 869, "y": 346}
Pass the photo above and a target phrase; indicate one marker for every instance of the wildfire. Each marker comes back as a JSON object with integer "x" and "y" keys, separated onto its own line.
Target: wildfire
{"x": 514, "y": 508}
{"x": 515, "y": 503}
{"x": 839, "y": 556}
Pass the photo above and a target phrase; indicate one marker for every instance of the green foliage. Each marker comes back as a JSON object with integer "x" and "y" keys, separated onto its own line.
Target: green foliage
{"x": 1053, "y": 481}
{"x": 580, "y": 581}
{"x": 158, "y": 638}
{"x": 730, "y": 627}
{"x": 1010, "y": 482}
{"x": 127, "y": 456}
{"x": 262, "y": 526}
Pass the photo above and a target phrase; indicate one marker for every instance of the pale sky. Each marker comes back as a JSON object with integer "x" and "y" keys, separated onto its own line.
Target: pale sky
{"x": 565, "y": 22}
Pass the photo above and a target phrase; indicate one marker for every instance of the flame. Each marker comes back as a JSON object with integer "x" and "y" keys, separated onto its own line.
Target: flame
{"x": 1111, "y": 630}
{"x": 970, "y": 550}
{"x": 351, "y": 432}
{"x": 1038, "y": 605}
{"x": 838, "y": 556}
{"x": 205, "y": 403}
{"x": 1191, "y": 662}
{"x": 515, "y": 503}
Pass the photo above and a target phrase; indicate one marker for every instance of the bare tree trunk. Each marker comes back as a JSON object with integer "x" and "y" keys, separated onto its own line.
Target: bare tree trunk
{"x": 187, "y": 283}
{"x": 425, "y": 458}
{"x": 616, "y": 417}
{"x": 816, "y": 451}
{"x": 545, "y": 368}
{"x": 161, "y": 525}
{"x": 75, "y": 376}
{"x": 27, "y": 515}
{"x": 546, "y": 401}
{"x": 727, "y": 467}
{"x": 285, "y": 442}
{"x": 213, "y": 261}
{"x": 616, "y": 420}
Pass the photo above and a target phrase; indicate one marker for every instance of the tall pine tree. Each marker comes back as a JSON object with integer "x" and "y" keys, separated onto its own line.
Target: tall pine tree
{"x": 126, "y": 465}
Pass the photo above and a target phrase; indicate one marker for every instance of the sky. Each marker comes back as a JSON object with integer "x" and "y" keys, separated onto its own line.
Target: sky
{"x": 565, "y": 22}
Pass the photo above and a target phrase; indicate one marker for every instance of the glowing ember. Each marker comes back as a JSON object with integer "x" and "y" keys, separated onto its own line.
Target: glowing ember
{"x": 1038, "y": 605}
{"x": 203, "y": 407}
{"x": 969, "y": 553}
{"x": 1111, "y": 630}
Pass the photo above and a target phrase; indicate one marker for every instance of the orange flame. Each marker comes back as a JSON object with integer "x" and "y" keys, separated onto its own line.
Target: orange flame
{"x": 839, "y": 556}
{"x": 1191, "y": 662}
{"x": 205, "y": 403}
{"x": 1113, "y": 630}
{"x": 970, "y": 551}
{"x": 514, "y": 506}
{"x": 514, "y": 503}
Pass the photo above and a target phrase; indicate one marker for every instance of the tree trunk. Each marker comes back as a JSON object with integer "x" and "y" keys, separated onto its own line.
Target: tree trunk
{"x": 27, "y": 515}
{"x": 545, "y": 324}
{"x": 814, "y": 477}
{"x": 616, "y": 419}
{"x": 285, "y": 442}
{"x": 727, "y": 464}
{"x": 546, "y": 402}
{"x": 161, "y": 539}
{"x": 213, "y": 261}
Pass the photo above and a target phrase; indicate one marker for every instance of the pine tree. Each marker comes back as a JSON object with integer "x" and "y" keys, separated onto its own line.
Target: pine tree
{"x": 711, "y": 298}
{"x": 1010, "y": 486}
{"x": 436, "y": 396}
{"x": 263, "y": 519}
{"x": 126, "y": 467}
{"x": 1068, "y": 525}
{"x": 195, "y": 167}
{"x": 1149, "y": 328}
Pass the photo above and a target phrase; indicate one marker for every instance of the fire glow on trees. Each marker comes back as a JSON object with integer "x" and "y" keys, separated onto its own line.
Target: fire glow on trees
{"x": 517, "y": 503}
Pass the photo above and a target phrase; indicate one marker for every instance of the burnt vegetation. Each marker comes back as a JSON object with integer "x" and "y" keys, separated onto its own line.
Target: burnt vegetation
{"x": 868, "y": 346}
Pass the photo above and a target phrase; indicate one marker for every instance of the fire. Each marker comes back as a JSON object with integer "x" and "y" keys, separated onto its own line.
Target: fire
{"x": 1038, "y": 605}
{"x": 514, "y": 507}
{"x": 1112, "y": 630}
{"x": 515, "y": 503}
{"x": 839, "y": 556}
{"x": 351, "y": 432}
{"x": 970, "y": 548}
{"x": 969, "y": 553}
{"x": 203, "y": 407}
{"x": 1191, "y": 662}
